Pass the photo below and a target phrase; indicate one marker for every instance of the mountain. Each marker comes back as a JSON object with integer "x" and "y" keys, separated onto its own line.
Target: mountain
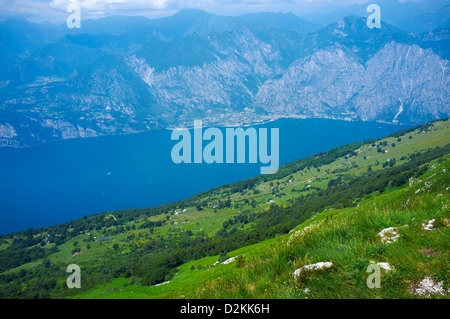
{"x": 112, "y": 99}
{"x": 277, "y": 21}
{"x": 113, "y": 25}
{"x": 20, "y": 38}
{"x": 393, "y": 12}
{"x": 427, "y": 22}
{"x": 196, "y": 21}
{"x": 381, "y": 82}
{"x": 420, "y": 16}
{"x": 188, "y": 21}
{"x": 380, "y": 201}
{"x": 225, "y": 70}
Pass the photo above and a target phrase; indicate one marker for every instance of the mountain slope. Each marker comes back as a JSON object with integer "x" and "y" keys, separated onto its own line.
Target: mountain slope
{"x": 415, "y": 265}
{"x": 128, "y": 254}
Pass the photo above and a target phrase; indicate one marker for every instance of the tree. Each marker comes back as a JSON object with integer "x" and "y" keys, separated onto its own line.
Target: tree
{"x": 48, "y": 283}
{"x": 241, "y": 262}
{"x": 46, "y": 263}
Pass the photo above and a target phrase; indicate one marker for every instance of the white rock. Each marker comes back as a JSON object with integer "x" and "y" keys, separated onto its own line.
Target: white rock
{"x": 389, "y": 235}
{"x": 300, "y": 233}
{"x": 317, "y": 266}
{"x": 429, "y": 226}
{"x": 385, "y": 266}
{"x": 427, "y": 286}
{"x": 163, "y": 283}
{"x": 230, "y": 260}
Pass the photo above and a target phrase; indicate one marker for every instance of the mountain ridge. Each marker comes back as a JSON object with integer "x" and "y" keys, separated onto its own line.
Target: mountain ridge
{"x": 242, "y": 69}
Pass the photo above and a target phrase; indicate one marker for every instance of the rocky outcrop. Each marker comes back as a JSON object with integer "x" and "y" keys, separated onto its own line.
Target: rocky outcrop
{"x": 401, "y": 83}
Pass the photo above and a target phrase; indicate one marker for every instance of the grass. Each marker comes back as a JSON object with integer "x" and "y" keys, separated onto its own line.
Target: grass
{"x": 349, "y": 239}
{"x": 204, "y": 270}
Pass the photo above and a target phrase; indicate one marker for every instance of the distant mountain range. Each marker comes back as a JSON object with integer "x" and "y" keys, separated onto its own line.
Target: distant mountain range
{"x": 124, "y": 75}
{"x": 414, "y": 16}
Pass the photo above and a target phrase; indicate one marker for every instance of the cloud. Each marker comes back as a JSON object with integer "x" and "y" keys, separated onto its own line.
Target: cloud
{"x": 95, "y": 5}
{"x": 56, "y": 9}
{"x": 131, "y": 5}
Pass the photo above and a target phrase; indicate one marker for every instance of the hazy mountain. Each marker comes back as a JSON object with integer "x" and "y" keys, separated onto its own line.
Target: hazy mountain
{"x": 392, "y": 11}
{"x": 420, "y": 16}
{"x": 19, "y": 38}
{"x": 277, "y": 21}
{"x": 427, "y": 22}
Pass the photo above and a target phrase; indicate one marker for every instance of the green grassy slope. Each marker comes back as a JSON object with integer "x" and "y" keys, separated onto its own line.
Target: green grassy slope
{"x": 346, "y": 237}
{"x": 342, "y": 198}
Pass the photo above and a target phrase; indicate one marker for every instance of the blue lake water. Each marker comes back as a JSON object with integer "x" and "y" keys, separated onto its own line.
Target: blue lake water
{"x": 59, "y": 182}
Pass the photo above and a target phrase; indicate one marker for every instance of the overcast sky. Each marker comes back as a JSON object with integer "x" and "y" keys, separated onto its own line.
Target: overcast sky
{"x": 55, "y": 10}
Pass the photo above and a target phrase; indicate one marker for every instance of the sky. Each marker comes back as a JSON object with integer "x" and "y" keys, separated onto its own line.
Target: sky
{"x": 55, "y": 11}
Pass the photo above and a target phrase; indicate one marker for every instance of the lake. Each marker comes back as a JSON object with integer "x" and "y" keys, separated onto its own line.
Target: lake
{"x": 59, "y": 182}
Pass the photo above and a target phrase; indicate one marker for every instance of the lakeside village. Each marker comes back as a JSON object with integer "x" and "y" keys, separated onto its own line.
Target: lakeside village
{"x": 230, "y": 117}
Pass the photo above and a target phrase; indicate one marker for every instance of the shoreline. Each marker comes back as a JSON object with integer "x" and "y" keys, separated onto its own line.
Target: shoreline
{"x": 190, "y": 127}
{"x": 297, "y": 117}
